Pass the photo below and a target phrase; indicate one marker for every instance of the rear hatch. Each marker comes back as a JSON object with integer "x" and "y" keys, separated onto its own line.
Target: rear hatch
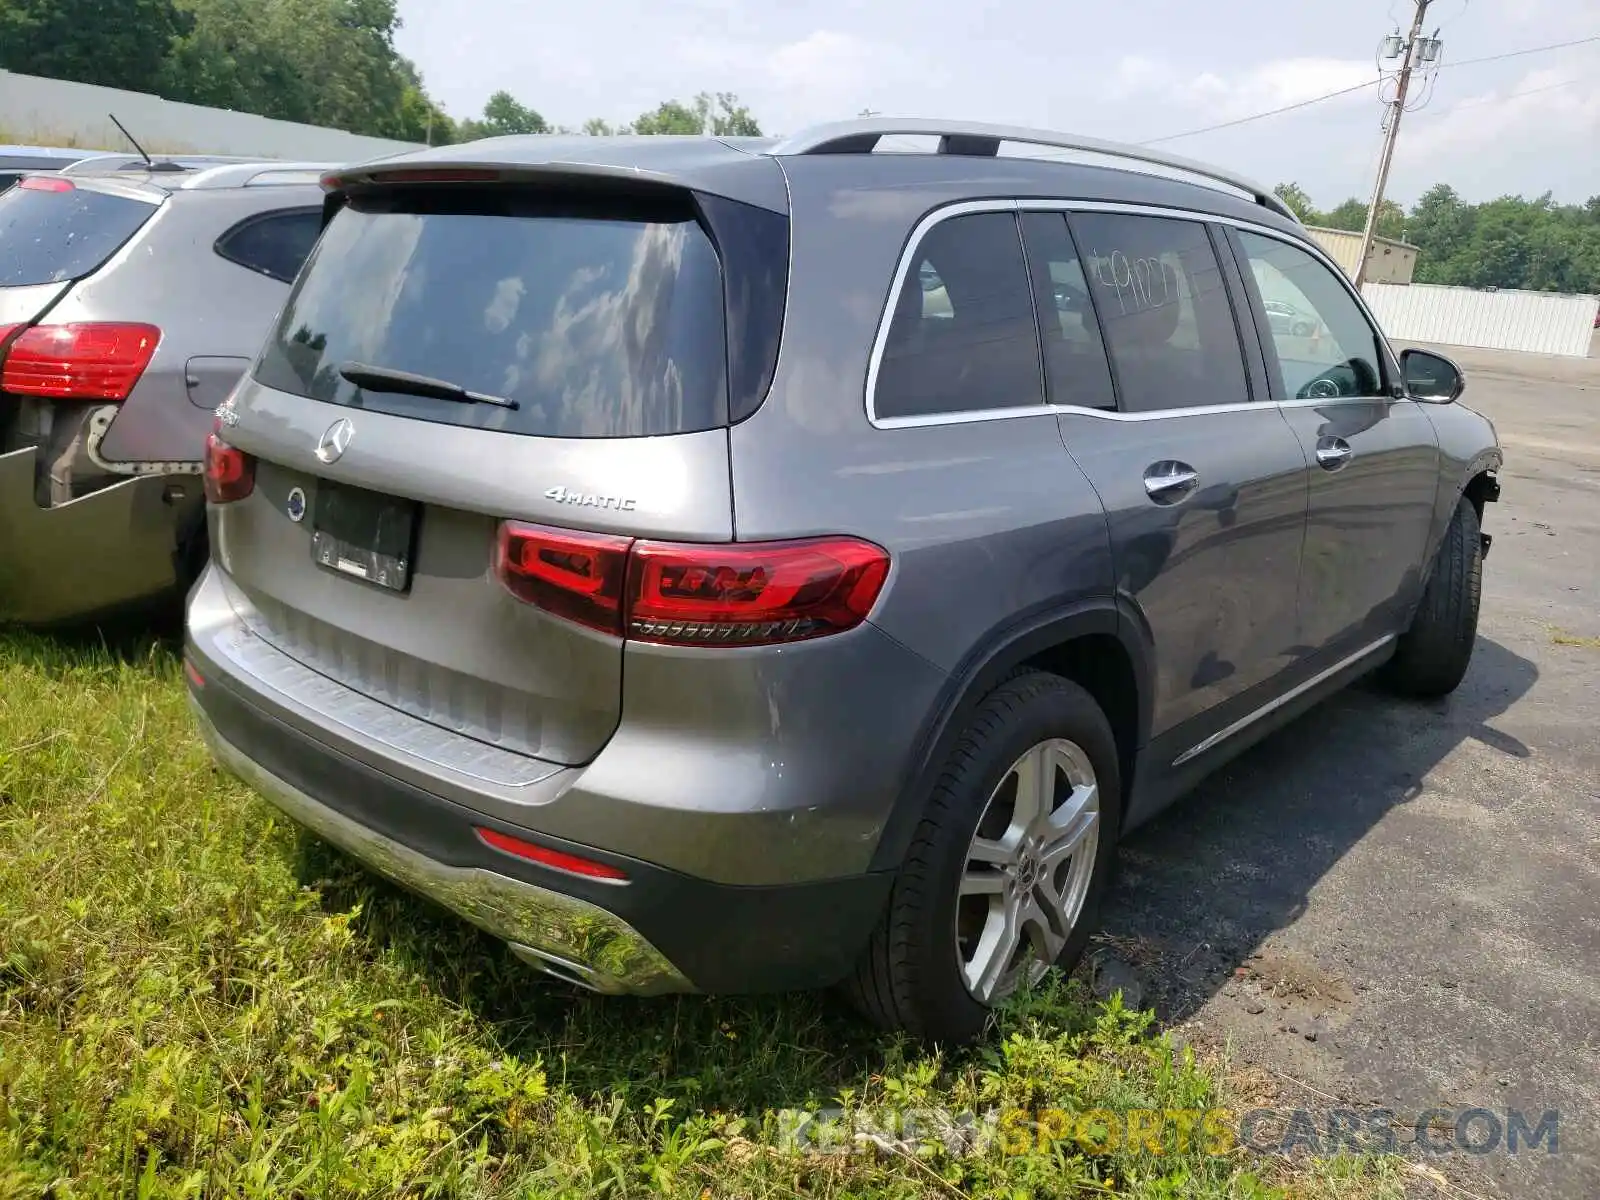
{"x": 55, "y": 231}
{"x": 456, "y": 355}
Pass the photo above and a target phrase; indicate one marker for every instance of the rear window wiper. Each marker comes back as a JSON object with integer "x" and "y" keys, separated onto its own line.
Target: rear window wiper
{"x": 404, "y": 383}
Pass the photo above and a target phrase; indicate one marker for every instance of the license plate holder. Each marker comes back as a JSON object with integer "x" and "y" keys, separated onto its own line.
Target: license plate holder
{"x": 364, "y": 535}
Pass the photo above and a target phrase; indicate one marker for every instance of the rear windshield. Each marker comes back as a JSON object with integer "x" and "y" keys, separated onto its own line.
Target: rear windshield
{"x": 54, "y": 236}
{"x": 596, "y": 319}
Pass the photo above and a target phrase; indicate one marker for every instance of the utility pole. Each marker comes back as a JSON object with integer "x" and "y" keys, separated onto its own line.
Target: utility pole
{"x": 1416, "y": 49}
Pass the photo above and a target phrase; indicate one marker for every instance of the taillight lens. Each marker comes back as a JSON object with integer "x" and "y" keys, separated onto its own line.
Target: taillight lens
{"x": 739, "y": 594}
{"x": 230, "y": 473}
{"x": 754, "y": 593}
{"x": 574, "y": 575}
{"x": 89, "y": 360}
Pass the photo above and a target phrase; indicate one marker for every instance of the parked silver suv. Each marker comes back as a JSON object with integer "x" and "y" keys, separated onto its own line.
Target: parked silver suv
{"x": 132, "y": 297}
{"x": 733, "y": 565}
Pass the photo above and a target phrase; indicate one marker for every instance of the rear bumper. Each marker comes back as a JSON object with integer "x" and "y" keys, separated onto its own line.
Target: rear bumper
{"x": 112, "y": 548}
{"x": 661, "y": 931}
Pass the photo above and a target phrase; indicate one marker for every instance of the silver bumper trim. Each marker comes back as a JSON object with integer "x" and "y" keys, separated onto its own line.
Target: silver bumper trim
{"x": 561, "y": 935}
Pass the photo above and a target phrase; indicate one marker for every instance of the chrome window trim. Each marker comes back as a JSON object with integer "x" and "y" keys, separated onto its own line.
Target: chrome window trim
{"x": 1021, "y": 205}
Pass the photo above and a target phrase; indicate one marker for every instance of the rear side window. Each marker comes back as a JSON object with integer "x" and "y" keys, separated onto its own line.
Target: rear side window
{"x": 962, "y": 338}
{"x": 1074, "y": 356}
{"x": 1164, "y": 311}
{"x": 273, "y": 244}
{"x": 57, "y": 231}
{"x": 596, "y": 318}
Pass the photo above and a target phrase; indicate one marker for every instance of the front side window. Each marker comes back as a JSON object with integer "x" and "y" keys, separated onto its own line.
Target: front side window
{"x": 1164, "y": 311}
{"x": 1323, "y": 344}
{"x": 962, "y": 338}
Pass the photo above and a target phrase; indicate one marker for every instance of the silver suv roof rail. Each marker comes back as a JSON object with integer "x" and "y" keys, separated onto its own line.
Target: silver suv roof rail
{"x": 980, "y": 139}
{"x": 256, "y": 173}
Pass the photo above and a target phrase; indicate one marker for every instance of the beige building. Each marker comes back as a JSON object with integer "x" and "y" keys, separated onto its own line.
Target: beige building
{"x": 1388, "y": 262}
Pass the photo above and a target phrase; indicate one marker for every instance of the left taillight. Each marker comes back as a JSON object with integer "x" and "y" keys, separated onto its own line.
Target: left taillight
{"x": 230, "y": 473}
{"x": 84, "y": 360}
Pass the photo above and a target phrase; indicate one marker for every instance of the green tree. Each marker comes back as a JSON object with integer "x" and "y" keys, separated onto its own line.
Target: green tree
{"x": 504, "y": 115}
{"x": 1352, "y": 215}
{"x": 1299, "y": 203}
{"x": 721, "y": 115}
{"x": 115, "y": 43}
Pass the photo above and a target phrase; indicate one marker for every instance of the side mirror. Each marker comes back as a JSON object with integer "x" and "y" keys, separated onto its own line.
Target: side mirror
{"x": 1430, "y": 376}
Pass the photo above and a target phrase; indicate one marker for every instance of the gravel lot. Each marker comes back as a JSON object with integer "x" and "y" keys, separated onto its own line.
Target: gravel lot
{"x": 1397, "y": 905}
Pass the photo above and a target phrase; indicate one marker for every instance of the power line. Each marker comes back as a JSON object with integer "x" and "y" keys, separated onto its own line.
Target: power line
{"x": 1549, "y": 87}
{"x": 1273, "y": 112}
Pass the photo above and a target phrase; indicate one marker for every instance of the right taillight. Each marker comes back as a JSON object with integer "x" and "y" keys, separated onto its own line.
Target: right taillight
{"x": 230, "y": 473}
{"x": 727, "y": 594}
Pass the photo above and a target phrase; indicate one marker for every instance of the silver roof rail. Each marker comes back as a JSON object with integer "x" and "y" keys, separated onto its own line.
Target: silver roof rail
{"x": 255, "y": 173}
{"x": 981, "y": 139}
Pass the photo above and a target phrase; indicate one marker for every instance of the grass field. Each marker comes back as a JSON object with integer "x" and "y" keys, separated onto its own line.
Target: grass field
{"x": 196, "y": 1000}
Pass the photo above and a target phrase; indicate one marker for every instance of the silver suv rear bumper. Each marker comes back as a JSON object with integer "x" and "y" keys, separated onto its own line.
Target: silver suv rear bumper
{"x": 562, "y": 935}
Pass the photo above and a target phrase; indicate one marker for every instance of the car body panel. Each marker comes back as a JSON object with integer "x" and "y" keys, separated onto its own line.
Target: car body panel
{"x": 1014, "y": 534}
{"x": 1368, "y": 520}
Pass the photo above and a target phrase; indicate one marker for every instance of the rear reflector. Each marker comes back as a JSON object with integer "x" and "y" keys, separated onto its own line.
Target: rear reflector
{"x": 230, "y": 473}
{"x": 46, "y": 183}
{"x": 88, "y": 360}
{"x": 739, "y": 594}
{"x": 193, "y": 672}
{"x": 545, "y": 856}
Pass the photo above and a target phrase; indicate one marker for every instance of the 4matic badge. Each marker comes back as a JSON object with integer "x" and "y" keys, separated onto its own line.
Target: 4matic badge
{"x": 563, "y": 495}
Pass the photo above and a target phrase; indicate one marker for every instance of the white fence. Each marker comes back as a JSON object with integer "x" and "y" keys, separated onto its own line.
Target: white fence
{"x": 1533, "y": 322}
{"x": 35, "y": 111}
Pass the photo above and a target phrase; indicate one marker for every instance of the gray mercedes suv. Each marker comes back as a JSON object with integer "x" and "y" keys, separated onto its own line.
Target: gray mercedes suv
{"x": 133, "y": 295}
{"x": 730, "y": 565}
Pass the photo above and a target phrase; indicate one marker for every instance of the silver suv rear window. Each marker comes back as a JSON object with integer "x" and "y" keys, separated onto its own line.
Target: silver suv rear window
{"x": 596, "y": 318}
{"x": 64, "y": 233}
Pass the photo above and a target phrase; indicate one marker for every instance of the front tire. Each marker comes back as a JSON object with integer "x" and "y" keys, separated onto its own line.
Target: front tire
{"x": 1432, "y": 656}
{"x": 1006, "y": 870}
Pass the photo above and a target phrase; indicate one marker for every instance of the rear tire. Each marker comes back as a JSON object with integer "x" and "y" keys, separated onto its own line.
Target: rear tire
{"x": 1432, "y": 656}
{"x": 981, "y": 873}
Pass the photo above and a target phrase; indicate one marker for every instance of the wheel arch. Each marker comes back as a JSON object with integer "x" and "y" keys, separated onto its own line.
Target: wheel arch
{"x": 1100, "y": 644}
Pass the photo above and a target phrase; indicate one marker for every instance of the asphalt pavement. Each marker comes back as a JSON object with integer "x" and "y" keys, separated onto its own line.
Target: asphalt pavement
{"x": 1393, "y": 907}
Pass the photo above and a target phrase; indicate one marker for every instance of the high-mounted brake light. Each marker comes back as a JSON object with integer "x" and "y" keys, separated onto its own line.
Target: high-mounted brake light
{"x": 87, "y": 360}
{"x": 230, "y": 473}
{"x": 561, "y": 861}
{"x": 46, "y": 183}
{"x": 334, "y": 180}
{"x": 736, "y": 594}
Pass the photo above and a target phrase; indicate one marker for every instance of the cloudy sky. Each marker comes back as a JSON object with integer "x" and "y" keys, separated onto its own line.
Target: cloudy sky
{"x": 1128, "y": 70}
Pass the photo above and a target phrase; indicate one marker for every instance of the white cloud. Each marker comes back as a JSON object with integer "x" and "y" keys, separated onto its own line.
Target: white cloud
{"x": 1208, "y": 94}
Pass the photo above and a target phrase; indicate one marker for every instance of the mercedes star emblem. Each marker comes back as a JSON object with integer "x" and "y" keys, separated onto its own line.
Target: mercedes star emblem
{"x": 335, "y": 441}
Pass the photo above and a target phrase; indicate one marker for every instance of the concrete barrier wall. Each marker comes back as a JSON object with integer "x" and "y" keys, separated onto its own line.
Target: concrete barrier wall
{"x": 1532, "y": 322}
{"x": 37, "y": 111}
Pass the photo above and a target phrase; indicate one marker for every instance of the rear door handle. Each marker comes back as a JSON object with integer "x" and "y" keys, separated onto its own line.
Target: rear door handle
{"x": 1333, "y": 453}
{"x": 1168, "y": 482}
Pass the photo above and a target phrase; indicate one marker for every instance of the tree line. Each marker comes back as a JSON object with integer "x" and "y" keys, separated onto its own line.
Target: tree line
{"x": 1512, "y": 242}
{"x": 320, "y": 62}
